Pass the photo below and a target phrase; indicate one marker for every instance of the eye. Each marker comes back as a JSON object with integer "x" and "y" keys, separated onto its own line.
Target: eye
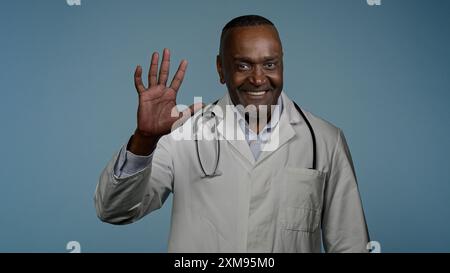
{"x": 269, "y": 66}
{"x": 243, "y": 66}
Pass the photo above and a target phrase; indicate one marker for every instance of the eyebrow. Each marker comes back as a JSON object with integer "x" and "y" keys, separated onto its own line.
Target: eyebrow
{"x": 249, "y": 60}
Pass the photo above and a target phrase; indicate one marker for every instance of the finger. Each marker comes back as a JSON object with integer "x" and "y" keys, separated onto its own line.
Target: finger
{"x": 164, "y": 70}
{"x": 138, "y": 79}
{"x": 152, "y": 72}
{"x": 179, "y": 76}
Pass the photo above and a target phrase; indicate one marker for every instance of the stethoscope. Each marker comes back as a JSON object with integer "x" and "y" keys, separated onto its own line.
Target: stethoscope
{"x": 213, "y": 115}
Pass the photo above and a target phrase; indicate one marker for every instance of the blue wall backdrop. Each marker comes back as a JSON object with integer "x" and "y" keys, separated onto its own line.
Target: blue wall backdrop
{"x": 381, "y": 73}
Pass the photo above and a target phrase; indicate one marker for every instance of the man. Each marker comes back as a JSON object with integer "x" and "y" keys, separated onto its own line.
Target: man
{"x": 255, "y": 199}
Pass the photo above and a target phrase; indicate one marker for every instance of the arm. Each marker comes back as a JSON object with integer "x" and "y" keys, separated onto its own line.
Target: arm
{"x": 128, "y": 163}
{"x": 343, "y": 222}
{"x": 122, "y": 200}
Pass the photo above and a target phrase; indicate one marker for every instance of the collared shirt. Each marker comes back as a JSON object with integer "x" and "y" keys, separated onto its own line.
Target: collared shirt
{"x": 254, "y": 140}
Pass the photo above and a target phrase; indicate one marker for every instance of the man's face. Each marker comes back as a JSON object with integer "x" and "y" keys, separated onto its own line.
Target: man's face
{"x": 251, "y": 65}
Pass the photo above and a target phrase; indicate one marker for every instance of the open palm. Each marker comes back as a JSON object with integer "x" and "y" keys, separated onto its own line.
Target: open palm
{"x": 157, "y": 104}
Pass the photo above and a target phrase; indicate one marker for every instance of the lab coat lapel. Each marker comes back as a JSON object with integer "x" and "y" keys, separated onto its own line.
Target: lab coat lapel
{"x": 229, "y": 129}
{"x": 284, "y": 130}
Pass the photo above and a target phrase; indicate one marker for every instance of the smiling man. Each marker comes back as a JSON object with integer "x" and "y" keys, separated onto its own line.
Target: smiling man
{"x": 233, "y": 194}
{"x": 250, "y": 62}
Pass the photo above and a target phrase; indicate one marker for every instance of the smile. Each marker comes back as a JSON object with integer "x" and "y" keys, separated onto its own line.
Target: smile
{"x": 256, "y": 94}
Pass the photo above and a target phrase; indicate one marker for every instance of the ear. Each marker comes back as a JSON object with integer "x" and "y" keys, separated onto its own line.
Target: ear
{"x": 219, "y": 69}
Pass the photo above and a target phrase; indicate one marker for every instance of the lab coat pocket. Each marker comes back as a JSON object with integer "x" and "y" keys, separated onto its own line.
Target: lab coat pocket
{"x": 303, "y": 189}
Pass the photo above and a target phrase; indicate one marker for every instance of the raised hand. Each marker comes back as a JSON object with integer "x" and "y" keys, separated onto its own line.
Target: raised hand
{"x": 156, "y": 111}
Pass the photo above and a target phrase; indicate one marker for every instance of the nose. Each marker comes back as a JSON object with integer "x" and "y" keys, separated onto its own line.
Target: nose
{"x": 258, "y": 77}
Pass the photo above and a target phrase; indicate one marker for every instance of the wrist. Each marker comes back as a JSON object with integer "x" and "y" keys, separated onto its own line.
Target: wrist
{"x": 142, "y": 144}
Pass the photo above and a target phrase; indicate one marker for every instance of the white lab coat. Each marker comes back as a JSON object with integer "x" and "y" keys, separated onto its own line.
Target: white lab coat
{"x": 274, "y": 204}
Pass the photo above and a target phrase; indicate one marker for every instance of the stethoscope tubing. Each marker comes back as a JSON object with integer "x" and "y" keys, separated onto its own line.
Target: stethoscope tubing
{"x": 214, "y": 173}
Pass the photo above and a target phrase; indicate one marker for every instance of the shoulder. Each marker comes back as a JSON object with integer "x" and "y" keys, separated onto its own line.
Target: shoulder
{"x": 327, "y": 135}
{"x": 323, "y": 128}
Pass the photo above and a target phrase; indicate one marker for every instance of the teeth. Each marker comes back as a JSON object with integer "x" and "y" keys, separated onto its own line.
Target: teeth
{"x": 257, "y": 93}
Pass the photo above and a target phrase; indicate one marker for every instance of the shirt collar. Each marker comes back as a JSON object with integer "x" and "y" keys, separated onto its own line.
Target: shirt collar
{"x": 274, "y": 119}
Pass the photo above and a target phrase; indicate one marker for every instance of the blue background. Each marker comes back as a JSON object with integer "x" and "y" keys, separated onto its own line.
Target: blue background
{"x": 381, "y": 73}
